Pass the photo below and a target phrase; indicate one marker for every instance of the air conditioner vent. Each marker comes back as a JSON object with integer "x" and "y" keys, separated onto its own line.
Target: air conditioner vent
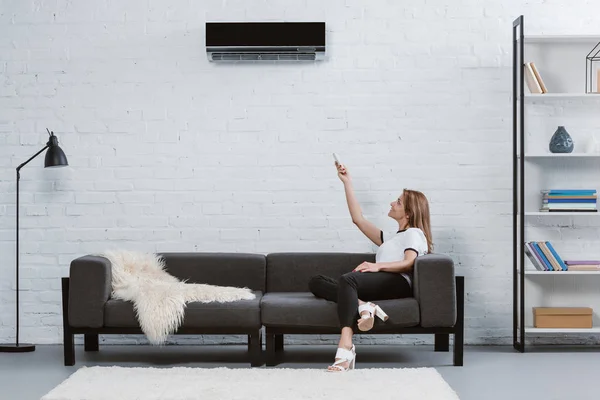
{"x": 265, "y": 41}
{"x": 263, "y": 57}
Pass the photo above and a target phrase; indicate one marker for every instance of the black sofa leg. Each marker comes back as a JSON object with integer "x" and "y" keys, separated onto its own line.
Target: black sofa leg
{"x": 279, "y": 343}
{"x": 69, "y": 349}
{"x": 90, "y": 342}
{"x": 272, "y": 357}
{"x": 460, "y": 321}
{"x": 68, "y": 337}
{"x": 442, "y": 342}
{"x": 255, "y": 349}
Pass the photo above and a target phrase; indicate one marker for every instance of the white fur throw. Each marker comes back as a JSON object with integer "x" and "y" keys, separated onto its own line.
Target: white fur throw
{"x": 159, "y": 298}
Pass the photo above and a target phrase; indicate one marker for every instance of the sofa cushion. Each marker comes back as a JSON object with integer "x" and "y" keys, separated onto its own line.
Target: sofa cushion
{"x": 291, "y": 272}
{"x": 303, "y": 309}
{"x": 222, "y": 269}
{"x": 241, "y": 314}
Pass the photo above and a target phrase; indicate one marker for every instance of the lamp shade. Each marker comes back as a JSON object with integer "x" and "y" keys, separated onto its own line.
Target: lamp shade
{"x": 55, "y": 157}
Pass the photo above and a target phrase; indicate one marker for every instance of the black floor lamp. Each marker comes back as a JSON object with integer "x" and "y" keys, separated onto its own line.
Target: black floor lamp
{"x": 55, "y": 157}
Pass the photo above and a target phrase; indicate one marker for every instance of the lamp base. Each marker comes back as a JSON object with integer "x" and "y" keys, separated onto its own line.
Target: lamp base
{"x": 13, "y": 348}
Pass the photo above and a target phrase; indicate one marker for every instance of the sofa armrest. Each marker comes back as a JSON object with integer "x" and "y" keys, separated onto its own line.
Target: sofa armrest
{"x": 89, "y": 288}
{"x": 435, "y": 290}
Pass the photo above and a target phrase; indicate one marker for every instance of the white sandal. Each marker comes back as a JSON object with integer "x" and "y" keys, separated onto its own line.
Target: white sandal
{"x": 342, "y": 355}
{"x": 366, "y": 321}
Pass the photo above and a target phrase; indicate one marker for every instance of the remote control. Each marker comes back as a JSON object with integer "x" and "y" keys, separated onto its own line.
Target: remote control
{"x": 337, "y": 159}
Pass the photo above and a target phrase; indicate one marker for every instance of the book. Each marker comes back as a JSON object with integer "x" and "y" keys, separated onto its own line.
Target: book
{"x": 570, "y": 197}
{"x": 560, "y": 261}
{"x": 535, "y": 260}
{"x": 574, "y": 206}
{"x": 540, "y": 253}
{"x": 569, "y": 206}
{"x": 566, "y": 210}
{"x": 584, "y": 268}
{"x": 581, "y": 192}
{"x": 549, "y": 256}
{"x": 582, "y": 262}
{"x": 569, "y": 200}
{"x": 532, "y": 83}
{"x": 538, "y": 77}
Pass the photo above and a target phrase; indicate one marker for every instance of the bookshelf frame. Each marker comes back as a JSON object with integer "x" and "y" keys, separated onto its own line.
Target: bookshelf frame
{"x": 520, "y": 156}
{"x": 518, "y": 183}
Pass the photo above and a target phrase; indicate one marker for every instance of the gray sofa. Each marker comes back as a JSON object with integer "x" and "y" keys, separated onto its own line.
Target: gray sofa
{"x": 283, "y": 303}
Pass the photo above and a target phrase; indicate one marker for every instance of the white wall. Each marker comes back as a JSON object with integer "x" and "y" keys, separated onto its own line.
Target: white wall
{"x": 169, "y": 152}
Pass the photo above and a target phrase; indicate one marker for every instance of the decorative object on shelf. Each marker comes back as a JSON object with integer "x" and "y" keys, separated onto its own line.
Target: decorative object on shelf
{"x": 55, "y": 157}
{"x": 590, "y": 69}
{"x": 561, "y": 141}
{"x": 562, "y": 317}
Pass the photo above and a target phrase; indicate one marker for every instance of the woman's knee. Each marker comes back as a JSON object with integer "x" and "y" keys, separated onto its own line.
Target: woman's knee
{"x": 314, "y": 283}
{"x": 349, "y": 278}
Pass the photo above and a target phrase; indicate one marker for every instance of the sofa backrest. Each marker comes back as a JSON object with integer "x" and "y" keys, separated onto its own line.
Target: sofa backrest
{"x": 222, "y": 269}
{"x": 290, "y": 272}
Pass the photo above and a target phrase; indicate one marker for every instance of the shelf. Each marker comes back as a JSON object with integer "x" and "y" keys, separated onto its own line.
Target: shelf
{"x": 567, "y": 39}
{"x": 563, "y": 96}
{"x": 556, "y": 213}
{"x": 561, "y": 330}
{"x": 561, "y": 155}
{"x": 536, "y": 272}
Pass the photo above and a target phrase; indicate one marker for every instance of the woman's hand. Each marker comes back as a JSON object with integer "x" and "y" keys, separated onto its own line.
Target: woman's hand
{"x": 367, "y": 267}
{"x": 343, "y": 173}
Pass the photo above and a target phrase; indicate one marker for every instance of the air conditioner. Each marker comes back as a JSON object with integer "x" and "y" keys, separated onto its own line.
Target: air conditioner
{"x": 265, "y": 41}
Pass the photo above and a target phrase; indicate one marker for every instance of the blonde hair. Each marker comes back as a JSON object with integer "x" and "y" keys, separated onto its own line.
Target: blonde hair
{"x": 416, "y": 207}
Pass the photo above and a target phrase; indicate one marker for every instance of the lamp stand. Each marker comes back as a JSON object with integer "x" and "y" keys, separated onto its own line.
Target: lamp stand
{"x": 55, "y": 157}
{"x": 18, "y": 347}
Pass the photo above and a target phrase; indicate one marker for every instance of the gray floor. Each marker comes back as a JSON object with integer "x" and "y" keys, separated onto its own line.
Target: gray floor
{"x": 489, "y": 373}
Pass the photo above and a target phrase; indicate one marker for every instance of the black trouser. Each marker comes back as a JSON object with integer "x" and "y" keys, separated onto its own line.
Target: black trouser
{"x": 368, "y": 286}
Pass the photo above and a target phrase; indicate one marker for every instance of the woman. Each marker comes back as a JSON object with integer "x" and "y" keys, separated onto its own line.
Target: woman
{"x": 390, "y": 277}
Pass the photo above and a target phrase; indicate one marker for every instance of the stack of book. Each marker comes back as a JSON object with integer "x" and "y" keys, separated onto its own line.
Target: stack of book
{"x": 544, "y": 258}
{"x": 533, "y": 79}
{"x": 569, "y": 200}
{"x": 583, "y": 265}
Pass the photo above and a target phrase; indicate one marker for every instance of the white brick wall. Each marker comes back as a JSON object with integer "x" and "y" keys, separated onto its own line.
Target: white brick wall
{"x": 170, "y": 153}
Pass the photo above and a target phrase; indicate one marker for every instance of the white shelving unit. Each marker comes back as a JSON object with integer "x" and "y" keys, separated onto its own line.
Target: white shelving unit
{"x": 561, "y": 63}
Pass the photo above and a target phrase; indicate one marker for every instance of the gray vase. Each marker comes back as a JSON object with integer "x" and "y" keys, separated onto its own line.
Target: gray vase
{"x": 561, "y": 141}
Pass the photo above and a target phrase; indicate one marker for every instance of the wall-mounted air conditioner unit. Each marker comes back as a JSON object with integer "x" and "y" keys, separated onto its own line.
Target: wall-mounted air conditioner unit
{"x": 265, "y": 41}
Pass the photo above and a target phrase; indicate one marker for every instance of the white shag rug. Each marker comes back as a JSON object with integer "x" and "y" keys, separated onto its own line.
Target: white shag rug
{"x": 183, "y": 383}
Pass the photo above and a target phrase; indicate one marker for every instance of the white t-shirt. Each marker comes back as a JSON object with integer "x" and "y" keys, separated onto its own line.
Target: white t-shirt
{"x": 394, "y": 244}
